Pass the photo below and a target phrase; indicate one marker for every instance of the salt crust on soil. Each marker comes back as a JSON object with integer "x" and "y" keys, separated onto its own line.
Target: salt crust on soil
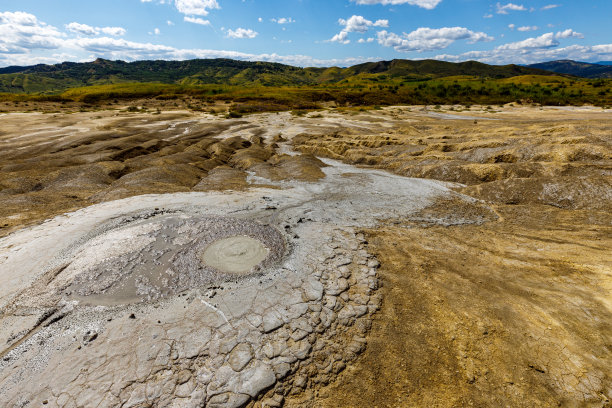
{"x": 213, "y": 338}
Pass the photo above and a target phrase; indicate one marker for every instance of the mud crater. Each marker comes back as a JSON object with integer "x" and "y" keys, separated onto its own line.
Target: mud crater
{"x": 163, "y": 256}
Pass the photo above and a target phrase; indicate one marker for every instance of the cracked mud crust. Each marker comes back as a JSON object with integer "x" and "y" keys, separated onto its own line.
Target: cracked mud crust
{"x": 122, "y": 299}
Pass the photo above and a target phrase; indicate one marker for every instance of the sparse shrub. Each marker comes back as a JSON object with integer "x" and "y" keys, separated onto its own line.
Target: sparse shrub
{"x": 233, "y": 115}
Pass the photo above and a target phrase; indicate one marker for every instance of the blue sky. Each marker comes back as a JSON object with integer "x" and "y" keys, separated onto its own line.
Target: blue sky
{"x": 305, "y": 32}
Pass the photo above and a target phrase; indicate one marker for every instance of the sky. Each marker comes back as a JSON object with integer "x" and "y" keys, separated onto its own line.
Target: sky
{"x": 305, "y": 32}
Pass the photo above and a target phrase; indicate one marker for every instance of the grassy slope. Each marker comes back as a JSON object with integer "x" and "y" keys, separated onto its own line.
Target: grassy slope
{"x": 264, "y": 86}
{"x": 55, "y": 78}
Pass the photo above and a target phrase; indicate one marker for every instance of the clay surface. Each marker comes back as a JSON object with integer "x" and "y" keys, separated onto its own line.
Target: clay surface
{"x": 483, "y": 282}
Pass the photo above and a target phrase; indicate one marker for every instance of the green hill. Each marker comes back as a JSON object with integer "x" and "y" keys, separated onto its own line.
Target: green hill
{"x": 50, "y": 79}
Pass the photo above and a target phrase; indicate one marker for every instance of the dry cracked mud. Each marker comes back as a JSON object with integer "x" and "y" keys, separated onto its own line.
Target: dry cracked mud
{"x": 323, "y": 274}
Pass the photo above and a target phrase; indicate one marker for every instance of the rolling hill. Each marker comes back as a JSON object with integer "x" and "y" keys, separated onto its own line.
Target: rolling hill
{"x": 581, "y": 69}
{"x": 51, "y": 79}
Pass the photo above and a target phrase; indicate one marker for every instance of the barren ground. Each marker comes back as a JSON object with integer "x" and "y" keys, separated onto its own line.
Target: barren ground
{"x": 513, "y": 308}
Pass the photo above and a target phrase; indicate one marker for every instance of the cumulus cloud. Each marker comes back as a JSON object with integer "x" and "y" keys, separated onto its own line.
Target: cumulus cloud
{"x": 544, "y": 41}
{"x": 196, "y": 7}
{"x": 85, "y": 29}
{"x": 283, "y": 20}
{"x": 116, "y": 48}
{"x": 242, "y": 33}
{"x": 569, "y": 33}
{"x": 196, "y": 20}
{"x": 82, "y": 29}
{"x": 357, "y": 24}
{"x": 527, "y": 28}
{"x": 360, "y": 24}
{"x": 428, "y": 39}
{"x": 21, "y": 32}
{"x": 542, "y": 48}
{"x": 426, "y": 4}
{"x": 503, "y": 9}
{"x": 530, "y": 56}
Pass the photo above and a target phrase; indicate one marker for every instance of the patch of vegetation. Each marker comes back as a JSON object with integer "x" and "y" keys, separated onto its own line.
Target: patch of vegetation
{"x": 366, "y": 86}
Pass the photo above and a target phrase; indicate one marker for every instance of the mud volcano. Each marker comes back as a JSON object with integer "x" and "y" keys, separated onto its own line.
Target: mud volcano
{"x": 235, "y": 255}
{"x": 197, "y": 299}
{"x": 166, "y": 255}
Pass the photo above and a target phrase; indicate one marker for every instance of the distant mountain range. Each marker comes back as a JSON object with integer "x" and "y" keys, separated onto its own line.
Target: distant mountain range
{"x": 601, "y": 69}
{"x": 59, "y": 77}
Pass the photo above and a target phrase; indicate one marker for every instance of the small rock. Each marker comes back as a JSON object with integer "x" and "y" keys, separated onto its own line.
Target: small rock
{"x": 183, "y": 377}
{"x": 341, "y": 261}
{"x": 313, "y": 290}
{"x": 228, "y": 400}
{"x": 301, "y": 349}
{"x": 345, "y": 272}
{"x": 282, "y": 370}
{"x": 89, "y": 337}
{"x": 240, "y": 356}
{"x": 271, "y": 321}
{"x": 255, "y": 380}
{"x": 373, "y": 263}
{"x": 274, "y": 402}
{"x": 300, "y": 381}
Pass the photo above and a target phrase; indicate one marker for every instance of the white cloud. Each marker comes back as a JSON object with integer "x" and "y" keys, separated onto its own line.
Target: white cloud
{"x": 357, "y": 24}
{"x": 426, "y": 4}
{"x": 530, "y": 56}
{"x": 550, "y": 7}
{"x": 242, "y": 33}
{"x": 544, "y": 41}
{"x": 156, "y": 31}
{"x": 21, "y": 32}
{"x": 428, "y": 39}
{"x": 85, "y": 29}
{"x": 283, "y": 20}
{"x": 527, "y": 28}
{"x": 115, "y": 31}
{"x": 365, "y": 40}
{"x": 115, "y": 48}
{"x": 360, "y": 24}
{"x": 510, "y": 6}
{"x": 197, "y": 20}
{"x": 542, "y": 48}
{"x": 569, "y": 33}
{"x": 260, "y": 19}
{"x": 341, "y": 38}
{"x": 196, "y": 7}
{"x": 170, "y": 23}
{"x": 488, "y": 16}
{"x": 82, "y": 29}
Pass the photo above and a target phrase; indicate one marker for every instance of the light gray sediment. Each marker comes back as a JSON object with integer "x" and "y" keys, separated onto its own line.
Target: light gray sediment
{"x": 118, "y": 308}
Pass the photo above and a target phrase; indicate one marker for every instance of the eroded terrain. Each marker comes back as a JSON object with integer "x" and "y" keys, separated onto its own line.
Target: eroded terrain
{"x": 494, "y": 286}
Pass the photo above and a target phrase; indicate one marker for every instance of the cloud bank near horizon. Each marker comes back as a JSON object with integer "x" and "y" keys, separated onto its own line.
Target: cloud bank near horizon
{"x": 25, "y": 39}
